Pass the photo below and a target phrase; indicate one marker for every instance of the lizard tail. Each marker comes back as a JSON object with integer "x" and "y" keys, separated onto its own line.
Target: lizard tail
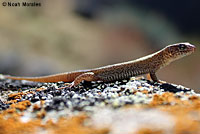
{"x": 50, "y": 78}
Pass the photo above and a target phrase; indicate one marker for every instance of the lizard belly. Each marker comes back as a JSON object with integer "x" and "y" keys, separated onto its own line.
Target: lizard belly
{"x": 120, "y": 74}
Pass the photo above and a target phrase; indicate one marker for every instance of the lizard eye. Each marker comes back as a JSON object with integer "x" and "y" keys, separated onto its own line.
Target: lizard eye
{"x": 182, "y": 46}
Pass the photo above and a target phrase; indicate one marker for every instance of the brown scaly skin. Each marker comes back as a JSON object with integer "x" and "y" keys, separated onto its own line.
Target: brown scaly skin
{"x": 146, "y": 65}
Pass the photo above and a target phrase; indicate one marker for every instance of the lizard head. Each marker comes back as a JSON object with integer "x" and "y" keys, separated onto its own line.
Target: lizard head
{"x": 179, "y": 50}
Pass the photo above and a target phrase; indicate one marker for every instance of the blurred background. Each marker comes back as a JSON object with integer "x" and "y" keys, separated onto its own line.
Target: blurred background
{"x": 69, "y": 35}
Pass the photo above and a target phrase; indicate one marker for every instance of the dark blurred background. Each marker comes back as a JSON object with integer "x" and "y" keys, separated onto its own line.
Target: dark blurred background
{"x": 68, "y": 35}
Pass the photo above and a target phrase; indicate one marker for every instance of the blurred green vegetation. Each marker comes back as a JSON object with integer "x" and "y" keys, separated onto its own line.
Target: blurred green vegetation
{"x": 59, "y": 36}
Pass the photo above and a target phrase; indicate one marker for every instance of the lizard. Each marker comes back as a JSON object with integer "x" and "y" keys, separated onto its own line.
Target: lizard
{"x": 149, "y": 64}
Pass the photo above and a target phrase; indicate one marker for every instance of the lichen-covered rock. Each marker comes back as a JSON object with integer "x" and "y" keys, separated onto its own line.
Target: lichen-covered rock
{"x": 127, "y": 106}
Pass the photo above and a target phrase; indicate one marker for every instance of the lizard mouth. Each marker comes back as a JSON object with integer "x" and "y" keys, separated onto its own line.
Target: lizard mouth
{"x": 191, "y": 48}
{"x": 194, "y": 48}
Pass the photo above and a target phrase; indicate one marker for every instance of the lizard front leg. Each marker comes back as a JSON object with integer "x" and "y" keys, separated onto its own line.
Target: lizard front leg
{"x": 155, "y": 79}
{"x": 89, "y": 76}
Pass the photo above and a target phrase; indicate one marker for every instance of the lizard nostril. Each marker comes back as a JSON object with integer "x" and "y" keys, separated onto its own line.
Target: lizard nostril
{"x": 194, "y": 48}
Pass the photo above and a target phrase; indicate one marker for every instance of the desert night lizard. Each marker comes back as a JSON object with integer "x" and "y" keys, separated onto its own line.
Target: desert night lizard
{"x": 149, "y": 64}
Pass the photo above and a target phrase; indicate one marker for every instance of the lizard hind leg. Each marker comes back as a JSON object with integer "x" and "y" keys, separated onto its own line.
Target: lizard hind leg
{"x": 89, "y": 76}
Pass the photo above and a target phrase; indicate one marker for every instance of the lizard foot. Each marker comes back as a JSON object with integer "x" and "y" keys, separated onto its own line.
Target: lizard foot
{"x": 161, "y": 82}
{"x": 89, "y": 76}
{"x": 71, "y": 85}
{"x": 67, "y": 85}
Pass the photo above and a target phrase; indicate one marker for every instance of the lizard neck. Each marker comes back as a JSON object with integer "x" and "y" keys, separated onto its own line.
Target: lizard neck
{"x": 155, "y": 61}
{"x": 161, "y": 59}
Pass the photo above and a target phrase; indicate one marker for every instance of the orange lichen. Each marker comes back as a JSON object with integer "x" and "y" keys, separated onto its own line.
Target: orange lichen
{"x": 15, "y": 95}
{"x": 41, "y": 114}
{"x": 186, "y": 112}
{"x": 194, "y": 98}
{"x": 40, "y": 89}
{"x": 10, "y": 121}
{"x": 21, "y": 105}
{"x": 36, "y": 107}
{"x": 19, "y": 95}
{"x": 186, "y": 115}
{"x": 145, "y": 91}
{"x": 11, "y": 102}
{"x": 11, "y": 110}
{"x": 149, "y": 131}
{"x": 74, "y": 125}
{"x": 164, "y": 99}
{"x": 185, "y": 124}
{"x": 13, "y": 125}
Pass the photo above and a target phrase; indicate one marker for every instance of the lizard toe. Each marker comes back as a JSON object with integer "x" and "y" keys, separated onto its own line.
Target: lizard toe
{"x": 73, "y": 84}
